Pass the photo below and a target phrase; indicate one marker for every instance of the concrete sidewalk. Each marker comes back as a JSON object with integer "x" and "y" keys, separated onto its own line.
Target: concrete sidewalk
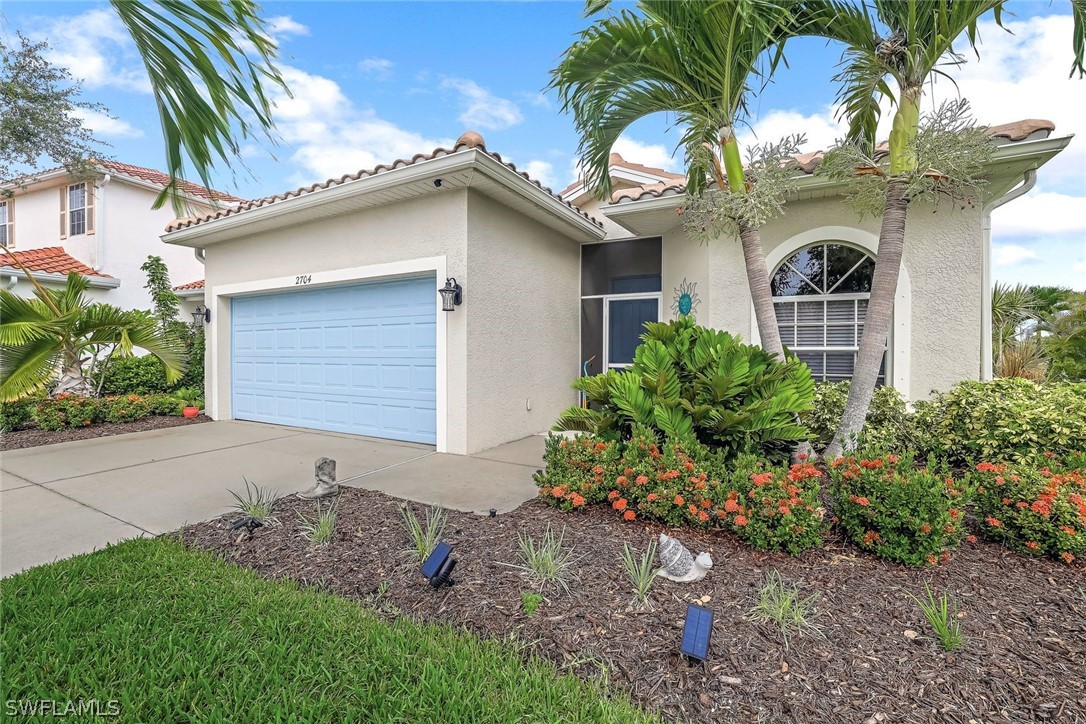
{"x": 61, "y": 500}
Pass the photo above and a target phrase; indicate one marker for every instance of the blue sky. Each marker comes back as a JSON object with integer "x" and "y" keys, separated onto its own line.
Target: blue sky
{"x": 378, "y": 81}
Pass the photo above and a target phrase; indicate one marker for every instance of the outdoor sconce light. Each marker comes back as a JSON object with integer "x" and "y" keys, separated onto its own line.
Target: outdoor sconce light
{"x": 696, "y": 632}
{"x": 439, "y": 566}
{"x": 452, "y": 294}
{"x": 202, "y": 314}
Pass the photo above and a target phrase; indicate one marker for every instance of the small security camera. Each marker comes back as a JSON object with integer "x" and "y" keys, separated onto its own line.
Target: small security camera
{"x": 437, "y": 183}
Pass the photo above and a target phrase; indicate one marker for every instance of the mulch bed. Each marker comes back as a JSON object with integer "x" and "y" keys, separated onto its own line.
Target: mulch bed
{"x": 1025, "y": 619}
{"x": 20, "y": 439}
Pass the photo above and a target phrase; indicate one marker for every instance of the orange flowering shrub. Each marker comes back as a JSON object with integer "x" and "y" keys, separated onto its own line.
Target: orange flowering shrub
{"x": 125, "y": 408}
{"x": 774, "y": 508}
{"x": 64, "y": 411}
{"x": 673, "y": 482}
{"x": 1035, "y": 510}
{"x": 578, "y": 471}
{"x": 887, "y": 506}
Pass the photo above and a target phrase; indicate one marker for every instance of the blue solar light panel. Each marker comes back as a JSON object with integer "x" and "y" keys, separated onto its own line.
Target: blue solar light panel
{"x": 696, "y": 632}
{"x": 433, "y": 563}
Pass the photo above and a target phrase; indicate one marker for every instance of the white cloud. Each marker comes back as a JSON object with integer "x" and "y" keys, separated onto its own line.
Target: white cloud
{"x": 331, "y": 136}
{"x": 378, "y": 68}
{"x": 655, "y": 155}
{"x": 541, "y": 171}
{"x": 1041, "y": 213}
{"x": 102, "y": 125}
{"x": 283, "y": 26}
{"x": 95, "y": 47}
{"x": 1011, "y": 254}
{"x": 821, "y": 129}
{"x": 481, "y": 108}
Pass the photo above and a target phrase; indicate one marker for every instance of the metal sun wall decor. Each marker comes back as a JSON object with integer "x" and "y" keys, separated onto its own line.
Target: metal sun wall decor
{"x": 686, "y": 300}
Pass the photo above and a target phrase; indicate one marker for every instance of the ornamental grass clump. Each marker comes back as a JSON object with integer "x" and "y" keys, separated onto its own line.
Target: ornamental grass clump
{"x": 546, "y": 563}
{"x": 899, "y": 512}
{"x": 1036, "y": 510}
{"x": 780, "y": 605}
{"x": 942, "y": 615}
{"x": 257, "y": 503}
{"x": 775, "y": 508}
{"x": 320, "y": 530}
{"x": 423, "y": 538}
{"x": 642, "y": 573}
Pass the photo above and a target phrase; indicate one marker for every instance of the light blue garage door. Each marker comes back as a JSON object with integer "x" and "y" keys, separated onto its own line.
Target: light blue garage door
{"x": 358, "y": 359}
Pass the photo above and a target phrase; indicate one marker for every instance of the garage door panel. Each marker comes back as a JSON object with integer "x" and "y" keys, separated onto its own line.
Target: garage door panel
{"x": 359, "y": 359}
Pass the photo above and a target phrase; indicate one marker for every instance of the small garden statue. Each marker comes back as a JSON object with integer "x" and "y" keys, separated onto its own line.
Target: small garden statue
{"x": 679, "y": 565}
{"x": 326, "y": 485}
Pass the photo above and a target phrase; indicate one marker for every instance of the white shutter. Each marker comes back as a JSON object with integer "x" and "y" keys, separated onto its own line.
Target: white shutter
{"x": 91, "y": 192}
{"x": 11, "y": 224}
{"x": 64, "y": 212}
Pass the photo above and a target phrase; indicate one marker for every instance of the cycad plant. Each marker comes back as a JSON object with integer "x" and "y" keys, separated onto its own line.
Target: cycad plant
{"x": 893, "y": 49}
{"x": 59, "y": 330}
{"x": 697, "y": 60}
{"x": 688, "y": 381}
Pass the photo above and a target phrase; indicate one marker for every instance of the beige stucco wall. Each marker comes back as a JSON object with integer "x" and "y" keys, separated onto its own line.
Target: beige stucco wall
{"x": 521, "y": 304}
{"x": 943, "y": 261}
{"x": 413, "y": 229}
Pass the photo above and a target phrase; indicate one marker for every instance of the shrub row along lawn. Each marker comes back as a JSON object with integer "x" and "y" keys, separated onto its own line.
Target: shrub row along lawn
{"x": 172, "y": 634}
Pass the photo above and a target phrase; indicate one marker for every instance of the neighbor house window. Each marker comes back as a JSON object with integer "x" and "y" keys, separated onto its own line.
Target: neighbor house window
{"x": 76, "y": 209}
{"x": 820, "y": 294}
{"x": 7, "y": 223}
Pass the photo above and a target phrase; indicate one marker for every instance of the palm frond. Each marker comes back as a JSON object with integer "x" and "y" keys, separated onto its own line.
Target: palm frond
{"x": 27, "y": 368}
{"x": 210, "y": 65}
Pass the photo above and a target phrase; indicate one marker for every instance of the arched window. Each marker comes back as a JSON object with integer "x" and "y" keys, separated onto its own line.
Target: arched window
{"x": 820, "y": 294}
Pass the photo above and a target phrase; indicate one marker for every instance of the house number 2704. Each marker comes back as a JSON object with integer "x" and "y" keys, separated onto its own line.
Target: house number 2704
{"x": 303, "y": 279}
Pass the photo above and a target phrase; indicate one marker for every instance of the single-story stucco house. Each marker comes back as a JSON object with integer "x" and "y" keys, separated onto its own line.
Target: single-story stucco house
{"x": 325, "y": 309}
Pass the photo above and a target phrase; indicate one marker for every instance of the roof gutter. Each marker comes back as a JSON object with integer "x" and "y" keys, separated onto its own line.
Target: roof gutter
{"x": 94, "y": 281}
{"x": 215, "y": 230}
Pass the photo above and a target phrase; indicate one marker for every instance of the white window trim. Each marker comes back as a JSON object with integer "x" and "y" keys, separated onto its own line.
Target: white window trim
{"x": 9, "y": 223}
{"x": 898, "y": 362}
{"x": 87, "y": 189}
{"x": 607, "y": 299}
{"x": 221, "y": 295}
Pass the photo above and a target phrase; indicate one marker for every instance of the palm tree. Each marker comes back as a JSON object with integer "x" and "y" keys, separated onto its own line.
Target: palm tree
{"x": 59, "y": 329}
{"x": 209, "y": 64}
{"x": 694, "y": 59}
{"x": 894, "y": 47}
{"x": 1011, "y": 307}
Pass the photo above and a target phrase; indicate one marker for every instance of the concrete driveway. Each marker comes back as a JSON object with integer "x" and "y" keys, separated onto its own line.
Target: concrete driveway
{"x": 61, "y": 500}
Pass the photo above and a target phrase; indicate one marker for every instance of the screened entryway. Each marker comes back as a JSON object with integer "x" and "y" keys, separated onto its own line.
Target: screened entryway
{"x": 620, "y": 292}
{"x": 820, "y": 295}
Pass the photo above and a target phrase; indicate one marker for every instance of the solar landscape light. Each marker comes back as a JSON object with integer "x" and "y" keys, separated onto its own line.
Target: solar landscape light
{"x": 439, "y": 566}
{"x": 696, "y": 632}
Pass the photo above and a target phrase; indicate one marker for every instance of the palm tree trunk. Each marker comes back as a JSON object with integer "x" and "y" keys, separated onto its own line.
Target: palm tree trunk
{"x": 760, "y": 293}
{"x": 880, "y": 313}
{"x": 72, "y": 381}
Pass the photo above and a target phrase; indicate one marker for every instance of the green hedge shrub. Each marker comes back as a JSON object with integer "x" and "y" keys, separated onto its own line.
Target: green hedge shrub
{"x": 775, "y": 508}
{"x": 889, "y": 425}
{"x": 685, "y": 483}
{"x": 64, "y": 411}
{"x": 693, "y": 383}
{"x": 17, "y": 414}
{"x": 1004, "y": 420}
{"x": 134, "y": 376}
{"x": 1034, "y": 509}
{"x": 888, "y": 506}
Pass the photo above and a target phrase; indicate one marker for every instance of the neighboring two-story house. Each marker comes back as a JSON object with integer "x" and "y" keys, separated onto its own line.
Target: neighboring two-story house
{"x": 102, "y": 226}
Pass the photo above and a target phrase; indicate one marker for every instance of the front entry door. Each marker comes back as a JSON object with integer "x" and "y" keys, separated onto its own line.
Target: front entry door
{"x": 624, "y": 324}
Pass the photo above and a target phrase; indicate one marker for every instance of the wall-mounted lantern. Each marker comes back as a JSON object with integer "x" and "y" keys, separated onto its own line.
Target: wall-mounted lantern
{"x": 452, "y": 294}
{"x": 202, "y": 314}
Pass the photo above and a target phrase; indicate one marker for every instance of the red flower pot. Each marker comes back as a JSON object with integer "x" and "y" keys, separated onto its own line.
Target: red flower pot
{"x": 191, "y": 411}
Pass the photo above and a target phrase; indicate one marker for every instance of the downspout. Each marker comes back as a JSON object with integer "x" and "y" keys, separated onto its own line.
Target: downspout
{"x": 1029, "y": 180}
{"x": 100, "y": 224}
{"x": 10, "y": 283}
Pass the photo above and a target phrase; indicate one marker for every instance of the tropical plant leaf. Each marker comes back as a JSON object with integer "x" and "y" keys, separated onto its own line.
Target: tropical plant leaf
{"x": 584, "y": 419}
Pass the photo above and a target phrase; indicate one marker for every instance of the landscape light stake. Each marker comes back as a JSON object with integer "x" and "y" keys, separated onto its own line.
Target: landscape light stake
{"x": 439, "y": 566}
{"x": 696, "y": 632}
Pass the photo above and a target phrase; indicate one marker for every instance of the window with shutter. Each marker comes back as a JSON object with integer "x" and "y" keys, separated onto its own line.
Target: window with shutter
{"x": 820, "y": 294}
{"x": 77, "y": 209}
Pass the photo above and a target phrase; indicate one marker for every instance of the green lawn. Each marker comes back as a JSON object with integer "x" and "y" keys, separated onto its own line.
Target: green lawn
{"x": 177, "y": 635}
